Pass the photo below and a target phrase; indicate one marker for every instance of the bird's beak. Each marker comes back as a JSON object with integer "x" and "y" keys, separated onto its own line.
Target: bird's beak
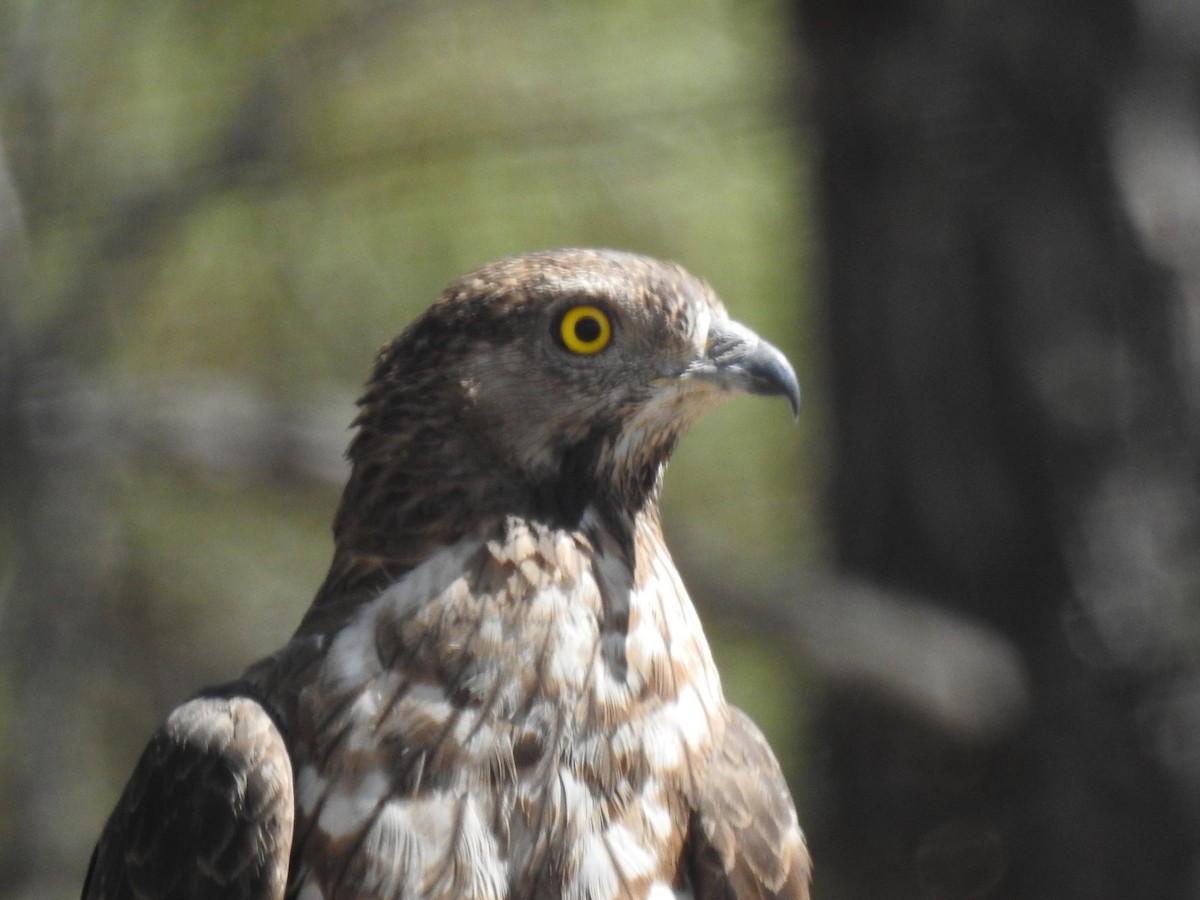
{"x": 737, "y": 359}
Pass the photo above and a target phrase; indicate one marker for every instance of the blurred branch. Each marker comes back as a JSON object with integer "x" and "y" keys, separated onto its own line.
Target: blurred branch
{"x": 963, "y": 676}
{"x": 209, "y": 421}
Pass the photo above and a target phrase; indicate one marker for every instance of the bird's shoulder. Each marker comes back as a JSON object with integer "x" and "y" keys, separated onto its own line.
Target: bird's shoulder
{"x": 744, "y": 838}
{"x": 208, "y": 810}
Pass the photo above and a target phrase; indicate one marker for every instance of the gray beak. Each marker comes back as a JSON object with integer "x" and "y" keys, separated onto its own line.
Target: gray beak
{"x": 737, "y": 359}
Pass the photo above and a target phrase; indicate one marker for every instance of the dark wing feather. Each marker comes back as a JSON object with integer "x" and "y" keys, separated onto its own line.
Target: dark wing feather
{"x": 744, "y": 840}
{"x": 207, "y": 813}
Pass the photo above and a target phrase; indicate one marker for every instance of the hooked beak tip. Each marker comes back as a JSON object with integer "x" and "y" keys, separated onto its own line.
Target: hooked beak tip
{"x": 737, "y": 359}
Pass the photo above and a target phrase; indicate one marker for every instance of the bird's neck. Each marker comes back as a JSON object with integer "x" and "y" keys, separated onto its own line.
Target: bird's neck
{"x": 398, "y": 510}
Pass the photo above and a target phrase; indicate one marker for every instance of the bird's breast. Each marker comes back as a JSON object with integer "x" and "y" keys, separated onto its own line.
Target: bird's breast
{"x": 517, "y": 716}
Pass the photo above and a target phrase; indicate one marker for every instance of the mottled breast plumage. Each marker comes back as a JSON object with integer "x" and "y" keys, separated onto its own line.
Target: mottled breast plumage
{"x": 487, "y": 684}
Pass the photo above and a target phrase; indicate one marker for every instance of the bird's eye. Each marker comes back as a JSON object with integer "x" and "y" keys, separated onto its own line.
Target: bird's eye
{"x": 584, "y": 329}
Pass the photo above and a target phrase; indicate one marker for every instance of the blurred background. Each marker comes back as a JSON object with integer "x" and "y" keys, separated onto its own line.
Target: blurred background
{"x": 962, "y": 597}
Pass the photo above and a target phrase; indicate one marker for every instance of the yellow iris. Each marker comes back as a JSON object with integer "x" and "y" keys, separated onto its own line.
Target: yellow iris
{"x": 585, "y": 329}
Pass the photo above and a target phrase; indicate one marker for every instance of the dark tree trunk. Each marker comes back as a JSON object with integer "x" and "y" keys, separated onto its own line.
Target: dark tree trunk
{"x": 1014, "y": 443}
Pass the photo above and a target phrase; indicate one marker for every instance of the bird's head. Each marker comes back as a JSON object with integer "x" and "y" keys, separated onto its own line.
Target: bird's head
{"x": 544, "y": 382}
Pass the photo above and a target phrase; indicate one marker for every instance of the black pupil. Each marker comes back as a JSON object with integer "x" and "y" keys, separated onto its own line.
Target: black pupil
{"x": 587, "y": 329}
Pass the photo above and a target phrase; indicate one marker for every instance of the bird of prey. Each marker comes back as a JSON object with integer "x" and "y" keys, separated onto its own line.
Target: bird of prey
{"x": 501, "y": 689}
